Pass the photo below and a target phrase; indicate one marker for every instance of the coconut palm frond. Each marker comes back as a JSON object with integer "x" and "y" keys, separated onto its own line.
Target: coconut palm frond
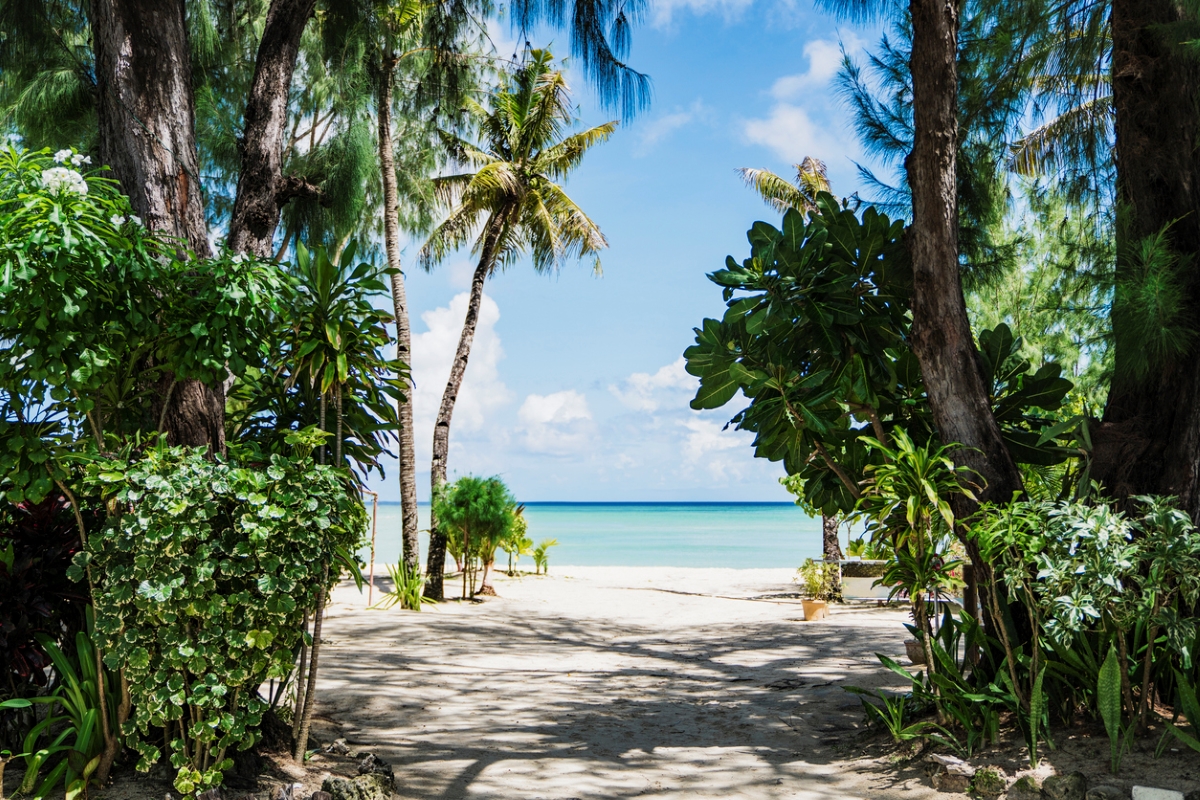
{"x": 1051, "y": 145}
{"x": 811, "y": 178}
{"x": 560, "y": 159}
{"x": 454, "y": 232}
{"x": 777, "y": 192}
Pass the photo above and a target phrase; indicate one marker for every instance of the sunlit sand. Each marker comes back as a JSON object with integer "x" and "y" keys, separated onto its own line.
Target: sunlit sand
{"x": 613, "y": 682}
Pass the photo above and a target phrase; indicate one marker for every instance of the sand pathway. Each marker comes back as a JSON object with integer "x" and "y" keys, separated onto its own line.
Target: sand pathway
{"x": 613, "y": 682}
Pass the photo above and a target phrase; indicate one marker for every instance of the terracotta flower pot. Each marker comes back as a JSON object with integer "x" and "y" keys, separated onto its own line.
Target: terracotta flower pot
{"x": 815, "y": 609}
{"x": 915, "y": 651}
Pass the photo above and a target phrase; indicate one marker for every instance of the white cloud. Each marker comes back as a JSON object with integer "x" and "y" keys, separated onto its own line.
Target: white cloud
{"x": 800, "y": 123}
{"x": 556, "y": 424}
{"x": 432, "y": 354}
{"x": 721, "y": 451}
{"x": 642, "y": 391}
{"x": 792, "y": 133}
{"x": 824, "y": 61}
{"x": 657, "y": 130}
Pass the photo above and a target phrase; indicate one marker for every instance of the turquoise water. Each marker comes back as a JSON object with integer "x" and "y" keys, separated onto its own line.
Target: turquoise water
{"x": 739, "y": 535}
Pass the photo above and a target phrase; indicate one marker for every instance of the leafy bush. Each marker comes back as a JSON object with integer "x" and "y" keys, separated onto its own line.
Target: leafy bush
{"x": 477, "y": 514}
{"x": 201, "y": 586}
{"x": 816, "y": 336}
{"x": 1093, "y": 612}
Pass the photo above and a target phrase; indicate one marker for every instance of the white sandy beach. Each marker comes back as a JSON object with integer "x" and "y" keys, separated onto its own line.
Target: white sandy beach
{"x": 601, "y": 682}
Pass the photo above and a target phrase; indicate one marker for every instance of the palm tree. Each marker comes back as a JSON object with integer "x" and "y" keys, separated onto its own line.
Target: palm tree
{"x": 782, "y": 194}
{"x": 508, "y": 206}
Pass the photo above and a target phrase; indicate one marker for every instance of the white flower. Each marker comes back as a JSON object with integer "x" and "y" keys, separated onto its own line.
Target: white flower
{"x": 237, "y": 259}
{"x": 117, "y": 220}
{"x": 135, "y": 219}
{"x": 61, "y": 156}
{"x": 60, "y": 180}
{"x": 79, "y": 159}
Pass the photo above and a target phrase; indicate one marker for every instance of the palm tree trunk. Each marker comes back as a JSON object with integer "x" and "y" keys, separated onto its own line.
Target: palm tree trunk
{"x": 941, "y": 333}
{"x": 411, "y": 554}
{"x": 441, "y": 429}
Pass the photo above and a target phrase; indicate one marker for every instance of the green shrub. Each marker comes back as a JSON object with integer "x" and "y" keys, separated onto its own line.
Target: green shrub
{"x": 477, "y": 515}
{"x": 201, "y": 586}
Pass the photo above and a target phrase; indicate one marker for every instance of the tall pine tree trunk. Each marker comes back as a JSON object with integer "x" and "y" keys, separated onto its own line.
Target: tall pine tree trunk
{"x": 1149, "y": 439}
{"x": 261, "y": 189}
{"x": 941, "y": 333}
{"x": 435, "y": 563}
{"x": 411, "y": 550}
{"x": 147, "y": 128}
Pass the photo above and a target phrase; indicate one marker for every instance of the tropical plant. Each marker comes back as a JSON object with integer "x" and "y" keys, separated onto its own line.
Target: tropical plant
{"x": 333, "y": 363}
{"x": 201, "y": 591}
{"x": 408, "y": 588}
{"x": 480, "y": 514}
{"x": 517, "y": 544}
{"x": 781, "y": 194}
{"x": 815, "y": 379}
{"x": 868, "y": 549}
{"x": 513, "y": 200}
{"x": 906, "y": 500}
{"x": 818, "y": 578}
{"x": 541, "y": 556}
{"x": 93, "y": 701}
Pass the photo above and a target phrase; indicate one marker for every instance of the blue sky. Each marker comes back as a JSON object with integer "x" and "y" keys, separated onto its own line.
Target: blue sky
{"x": 575, "y": 389}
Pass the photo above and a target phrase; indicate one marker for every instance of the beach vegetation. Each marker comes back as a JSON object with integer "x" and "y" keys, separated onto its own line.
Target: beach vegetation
{"x": 408, "y": 588}
{"x": 508, "y": 204}
{"x": 517, "y": 543}
{"x": 816, "y": 381}
{"x": 201, "y": 591}
{"x": 480, "y": 515}
{"x": 541, "y": 556}
{"x": 818, "y": 579}
{"x": 167, "y": 537}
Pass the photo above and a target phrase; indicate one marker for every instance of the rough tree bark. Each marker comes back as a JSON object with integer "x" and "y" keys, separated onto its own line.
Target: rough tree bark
{"x": 1149, "y": 439}
{"x": 830, "y": 545}
{"x": 942, "y": 338}
{"x": 435, "y": 562}
{"x": 261, "y": 190}
{"x": 411, "y": 554}
{"x": 147, "y": 136}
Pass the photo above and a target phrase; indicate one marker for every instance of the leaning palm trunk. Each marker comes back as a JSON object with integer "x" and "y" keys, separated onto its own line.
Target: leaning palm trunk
{"x": 436, "y": 562}
{"x": 408, "y": 459}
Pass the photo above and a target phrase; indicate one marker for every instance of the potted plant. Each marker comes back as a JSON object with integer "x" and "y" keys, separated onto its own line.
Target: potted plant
{"x": 817, "y": 579}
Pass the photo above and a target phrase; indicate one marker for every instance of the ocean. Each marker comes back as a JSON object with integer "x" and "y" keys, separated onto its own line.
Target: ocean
{"x": 737, "y": 535}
